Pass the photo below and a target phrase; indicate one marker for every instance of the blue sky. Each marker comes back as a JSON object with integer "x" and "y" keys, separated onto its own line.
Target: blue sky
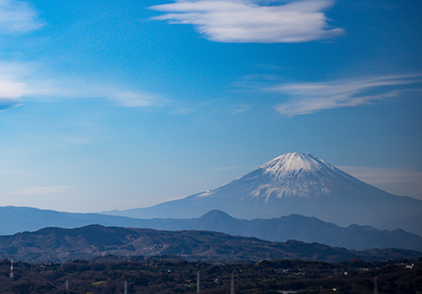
{"x": 124, "y": 104}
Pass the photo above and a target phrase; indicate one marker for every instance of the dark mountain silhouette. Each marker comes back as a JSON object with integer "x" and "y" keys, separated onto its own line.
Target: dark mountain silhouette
{"x": 56, "y": 244}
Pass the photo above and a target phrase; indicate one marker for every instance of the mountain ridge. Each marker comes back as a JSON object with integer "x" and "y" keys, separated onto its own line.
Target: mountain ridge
{"x": 58, "y": 244}
{"x": 301, "y": 228}
{"x": 310, "y": 229}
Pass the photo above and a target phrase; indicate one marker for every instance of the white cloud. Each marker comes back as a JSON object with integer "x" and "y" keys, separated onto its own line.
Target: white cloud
{"x": 19, "y": 81}
{"x": 241, "y": 21}
{"x": 17, "y": 17}
{"x": 11, "y": 89}
{"x": 306, "y": 98}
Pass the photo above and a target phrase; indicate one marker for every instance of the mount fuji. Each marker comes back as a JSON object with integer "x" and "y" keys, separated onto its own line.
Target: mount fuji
{"x": 300, "y": 184}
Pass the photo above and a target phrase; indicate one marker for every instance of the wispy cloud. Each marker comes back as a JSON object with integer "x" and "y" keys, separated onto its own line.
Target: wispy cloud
{"x": 389, "y": 178}
{"x": 383, "y": 175}
{"x": 227, "y": 168}
{"x": 18, "y": 17}
{"x": 44, "y": 190}
{"x": 241, "y": 108}
{"x": 20, "y": 81}
{"x": 242, "y": 21}
{"x": 11, "y": 87}
{"x": 134, "y": 99}
{"x": 306, "y": 98}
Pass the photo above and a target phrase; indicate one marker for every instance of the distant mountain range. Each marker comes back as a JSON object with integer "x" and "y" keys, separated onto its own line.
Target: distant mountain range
{"x": 301, "y": 228}
{"x": 308, "y": 229}
{"x": 295, "y": 196}
{"x": 57, "y": 244}
{"x": 296, "y": 183}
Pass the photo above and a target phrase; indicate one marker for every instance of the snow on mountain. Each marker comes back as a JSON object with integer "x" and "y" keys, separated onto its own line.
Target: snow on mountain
{"x": 289, "y": 175}
{"x": 292, "y": 163}
{"x": 294, "y": 174}
{"x": 296, "y": 183}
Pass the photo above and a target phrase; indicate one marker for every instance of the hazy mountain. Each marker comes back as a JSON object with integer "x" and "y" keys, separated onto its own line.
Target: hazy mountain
{"x": 20, "y": 219}
{"x": 301, "y": 228}
{"x": 56, "y": 244}
{"x": 308, "y": 229}
{"x": 296, "y": 183}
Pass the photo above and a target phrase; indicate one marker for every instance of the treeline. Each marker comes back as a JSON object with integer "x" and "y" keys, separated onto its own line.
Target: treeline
{"x": 172, "y": 275}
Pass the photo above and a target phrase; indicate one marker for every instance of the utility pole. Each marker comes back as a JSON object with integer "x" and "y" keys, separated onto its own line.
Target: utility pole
{"x": 198, "y": 286}
{"x": 125, "y": 287}
{"x": 67, "y": 284}
{"x": 232, "y": 285}
{"x": 11, "y": 268}
{"x": 376, "y": 285}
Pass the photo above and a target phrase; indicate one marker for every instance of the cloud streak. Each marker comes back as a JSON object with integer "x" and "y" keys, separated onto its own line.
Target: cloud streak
{"x": 383, "y": 175}
{"x": 44, "y": 190}
{"x": 241, "y": 21}
{"x": 18, "y": 17}
{"x": 307, "y": 98}
{"x": 388, "y": 178}
{"x": 19, "y": 81}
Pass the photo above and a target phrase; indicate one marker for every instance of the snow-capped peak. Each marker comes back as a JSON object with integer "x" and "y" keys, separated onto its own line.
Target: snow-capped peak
{"x": 291, "y": 174}
{"x": 292, "y": 163}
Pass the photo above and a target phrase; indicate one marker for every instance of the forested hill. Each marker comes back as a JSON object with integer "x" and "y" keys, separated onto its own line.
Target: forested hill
{"x": 57, "y": 244}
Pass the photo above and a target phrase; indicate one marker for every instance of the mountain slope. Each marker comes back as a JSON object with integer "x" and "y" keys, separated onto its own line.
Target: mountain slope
{"x": 295, "y": 183}
{"x": 20, "y": 219}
